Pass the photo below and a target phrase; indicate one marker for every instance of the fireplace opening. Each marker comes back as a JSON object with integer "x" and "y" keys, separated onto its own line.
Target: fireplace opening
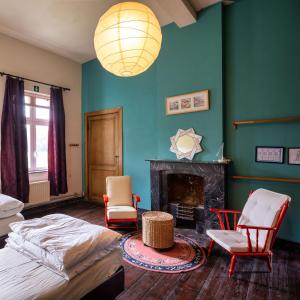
{"x": 185, "y": 197}
{"x": 185, "y": 189}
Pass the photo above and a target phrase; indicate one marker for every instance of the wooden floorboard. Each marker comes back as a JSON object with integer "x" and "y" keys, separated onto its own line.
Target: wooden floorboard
{"x": 251, "y": 281}
{"x": 162, "y": 287}
{"x": 238, "y": 287}
{"x": 132, "y": 275}
{"x": 137, "y": 290}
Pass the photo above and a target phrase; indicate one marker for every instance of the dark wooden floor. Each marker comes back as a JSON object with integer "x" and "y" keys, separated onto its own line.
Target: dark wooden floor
{"x": 251, "y": 280}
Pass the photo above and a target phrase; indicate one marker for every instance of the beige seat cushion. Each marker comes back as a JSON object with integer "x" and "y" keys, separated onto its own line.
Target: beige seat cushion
{"x": 233, "y": 241}
{"x": 121, "y": 212}
{"x": 118, "y": 189}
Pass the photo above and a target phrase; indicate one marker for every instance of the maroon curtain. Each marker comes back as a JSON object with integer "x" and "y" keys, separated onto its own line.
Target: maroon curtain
{"x": 57, "y": 173}
{"x": 14, "y": 161}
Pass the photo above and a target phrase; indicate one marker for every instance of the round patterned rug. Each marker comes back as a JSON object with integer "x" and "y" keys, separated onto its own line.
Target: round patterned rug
{"x": 184, "y": 256}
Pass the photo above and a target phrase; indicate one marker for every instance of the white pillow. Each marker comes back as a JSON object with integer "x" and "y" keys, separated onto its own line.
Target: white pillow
{"x": 9, "y": 206}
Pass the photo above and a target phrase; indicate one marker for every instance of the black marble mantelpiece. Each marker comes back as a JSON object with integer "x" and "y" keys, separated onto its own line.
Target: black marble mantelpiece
{"x": 185, "y": 161}
{"x": 214, "y": 176}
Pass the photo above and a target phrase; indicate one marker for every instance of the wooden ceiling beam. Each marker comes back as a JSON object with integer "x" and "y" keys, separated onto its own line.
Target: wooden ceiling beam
{"x": 181, "y": 11}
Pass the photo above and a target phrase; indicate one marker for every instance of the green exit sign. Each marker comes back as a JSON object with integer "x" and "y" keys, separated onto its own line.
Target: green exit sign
{"x": 36, "y": 88}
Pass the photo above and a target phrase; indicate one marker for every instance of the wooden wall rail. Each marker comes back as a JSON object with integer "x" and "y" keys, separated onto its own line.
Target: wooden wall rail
{"x": 278, "y": 120}
{"x": 266, "y": 179}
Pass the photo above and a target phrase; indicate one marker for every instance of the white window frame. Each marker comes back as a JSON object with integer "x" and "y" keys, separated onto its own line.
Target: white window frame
{"x": 33, "y": 121}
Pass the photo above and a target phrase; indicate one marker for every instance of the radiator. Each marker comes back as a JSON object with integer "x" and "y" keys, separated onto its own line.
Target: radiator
{"x": 39, "y": 191}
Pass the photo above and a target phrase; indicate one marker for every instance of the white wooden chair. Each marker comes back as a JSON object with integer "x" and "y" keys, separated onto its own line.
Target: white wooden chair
{"x": 120, "y": 204}
{"x": 255, "y": 232}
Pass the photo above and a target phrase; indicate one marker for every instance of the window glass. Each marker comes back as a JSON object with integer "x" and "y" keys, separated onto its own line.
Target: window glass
{"x": 27, "y": 99}
{"x": 37, "y": 120}
{"x": 41, "y": 146}
{"x": 42, "y": 102}
{"x": 42, "y": 113}
{"x": 28, "y": 145}
{"x": 27, "y": 111}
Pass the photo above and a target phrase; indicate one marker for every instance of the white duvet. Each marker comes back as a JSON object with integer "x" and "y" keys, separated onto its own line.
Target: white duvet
{"x": 66, "y": 245}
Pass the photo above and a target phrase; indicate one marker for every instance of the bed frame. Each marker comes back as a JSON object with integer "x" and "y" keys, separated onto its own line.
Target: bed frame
{"x": 2, "y": 241}
{"x": 110, "y": 288}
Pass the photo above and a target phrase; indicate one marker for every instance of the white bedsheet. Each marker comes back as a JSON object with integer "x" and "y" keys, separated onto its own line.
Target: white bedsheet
{"x": 4, "y": 223}
{"x": 23, "y": 279}
{"x": 63, "y": 243}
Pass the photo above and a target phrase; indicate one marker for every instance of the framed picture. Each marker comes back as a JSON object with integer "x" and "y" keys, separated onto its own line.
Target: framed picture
{"x": 266, "y": 154}
{"x": 186, "y": 103}
{"x": 294, "y": 156}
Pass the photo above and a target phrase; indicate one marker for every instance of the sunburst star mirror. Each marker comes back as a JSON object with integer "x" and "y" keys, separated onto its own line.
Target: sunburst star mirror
{"x": 185, "y": 144}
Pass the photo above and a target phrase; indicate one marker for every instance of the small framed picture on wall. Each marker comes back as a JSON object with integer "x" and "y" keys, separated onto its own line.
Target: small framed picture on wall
{"x": 294, "y": 156}
{"x": 187, "y": 103}
{"x": 265, "y": 154}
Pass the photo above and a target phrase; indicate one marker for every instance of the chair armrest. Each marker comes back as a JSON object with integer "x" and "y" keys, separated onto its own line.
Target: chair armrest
{"x": 234, "y": 211}
{"x": 225, "y": 212}
{"x": 105, "y": 199}
{"x": 257, "y": 229}
{"x": 137, "y": 199}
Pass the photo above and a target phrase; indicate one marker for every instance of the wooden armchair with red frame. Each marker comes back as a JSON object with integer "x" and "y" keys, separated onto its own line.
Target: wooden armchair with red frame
{"x": 256, "y": 230}
{"x": 120, "y": 204}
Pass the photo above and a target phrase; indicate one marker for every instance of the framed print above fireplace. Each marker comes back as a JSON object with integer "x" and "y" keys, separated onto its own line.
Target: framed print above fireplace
{"x": 186, "y": 103}
{"x": 294, "y": 156}
{"x": 266, "y": 154}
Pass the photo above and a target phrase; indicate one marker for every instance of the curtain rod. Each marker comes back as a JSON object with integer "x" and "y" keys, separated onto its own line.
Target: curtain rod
{"x": 40, "y": 82}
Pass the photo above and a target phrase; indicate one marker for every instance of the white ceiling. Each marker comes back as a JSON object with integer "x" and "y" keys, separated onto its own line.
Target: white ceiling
{"x": 66, "y": 27}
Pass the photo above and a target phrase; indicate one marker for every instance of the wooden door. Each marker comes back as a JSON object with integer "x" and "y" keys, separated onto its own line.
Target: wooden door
{"x": 103, "y": 150}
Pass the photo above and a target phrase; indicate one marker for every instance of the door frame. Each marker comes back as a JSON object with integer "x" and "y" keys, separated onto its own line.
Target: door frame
{"x": 119, "y": 111}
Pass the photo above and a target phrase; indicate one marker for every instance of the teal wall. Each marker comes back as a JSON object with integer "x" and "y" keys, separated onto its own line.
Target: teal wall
{"x": 137, "y": 96}
{"x": 260, "y": 64}
{"x": 262, "y": 80}
{"x": 190, "y": 60}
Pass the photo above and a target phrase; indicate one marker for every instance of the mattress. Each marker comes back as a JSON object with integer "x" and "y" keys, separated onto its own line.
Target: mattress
{"x": 4, "y": 228}
{"x": 23, "y": 279}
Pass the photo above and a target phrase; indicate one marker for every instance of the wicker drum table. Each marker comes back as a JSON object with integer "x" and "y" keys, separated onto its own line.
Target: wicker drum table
{"x": 158, "y": 229}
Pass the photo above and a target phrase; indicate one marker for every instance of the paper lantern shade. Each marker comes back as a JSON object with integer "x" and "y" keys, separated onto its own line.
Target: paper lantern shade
{"x": 127, "y": 39}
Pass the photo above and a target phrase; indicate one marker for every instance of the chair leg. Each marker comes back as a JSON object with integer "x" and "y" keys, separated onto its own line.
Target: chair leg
{"x": 232, "y": 265}
{"x": 210, "y": 247}
{"x": 105, "y": 218}
{"x": 269, "y": 261}
{"x": 137, "y": 226}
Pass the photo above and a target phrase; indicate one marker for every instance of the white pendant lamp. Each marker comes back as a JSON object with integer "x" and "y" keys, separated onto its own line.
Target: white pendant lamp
{"x": 127, "y": 39}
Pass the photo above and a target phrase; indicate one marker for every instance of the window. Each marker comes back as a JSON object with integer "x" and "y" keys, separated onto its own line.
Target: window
{"x": 37, "y": 109}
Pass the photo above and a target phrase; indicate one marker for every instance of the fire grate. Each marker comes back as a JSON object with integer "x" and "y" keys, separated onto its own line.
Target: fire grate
{"x": 181, "y": 211}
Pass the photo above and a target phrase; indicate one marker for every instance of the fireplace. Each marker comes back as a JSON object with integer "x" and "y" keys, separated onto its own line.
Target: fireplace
{"x": 187, "y": 190}
{"x": 184, "y": 194}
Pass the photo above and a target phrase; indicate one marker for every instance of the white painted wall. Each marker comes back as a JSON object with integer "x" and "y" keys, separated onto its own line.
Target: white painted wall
{"x": 28, "y": 61}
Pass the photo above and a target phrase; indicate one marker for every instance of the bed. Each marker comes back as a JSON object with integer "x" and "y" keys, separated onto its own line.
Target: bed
{"x": 28, "y": 272}
{"x": 43, "y": 283}
{"x": 4, "y": 223}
